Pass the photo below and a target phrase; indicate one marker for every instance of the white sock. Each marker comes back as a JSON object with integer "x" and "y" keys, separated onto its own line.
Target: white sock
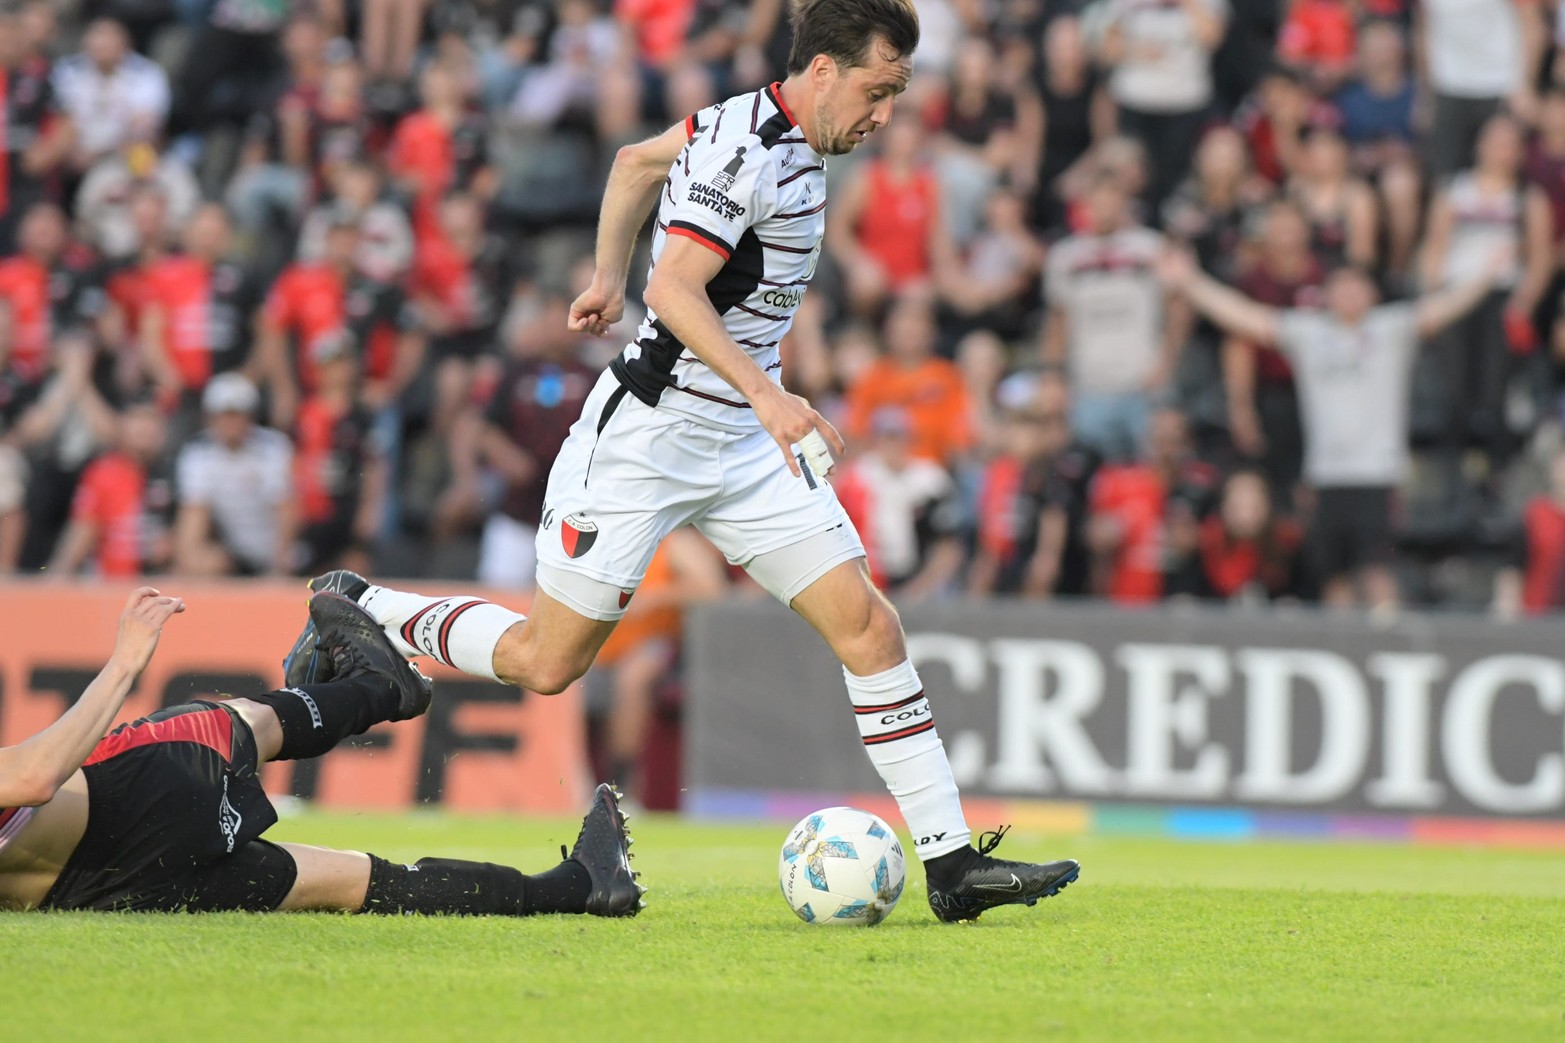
{"x": 458, "y": 631}
{"x": 899, "y": 732}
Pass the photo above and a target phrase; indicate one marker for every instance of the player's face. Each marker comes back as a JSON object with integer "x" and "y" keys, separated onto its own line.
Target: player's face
{"x": 858, "y": 100}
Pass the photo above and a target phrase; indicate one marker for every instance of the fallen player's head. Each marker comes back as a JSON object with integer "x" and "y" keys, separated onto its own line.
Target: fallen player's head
{"x": 857, "y": 56}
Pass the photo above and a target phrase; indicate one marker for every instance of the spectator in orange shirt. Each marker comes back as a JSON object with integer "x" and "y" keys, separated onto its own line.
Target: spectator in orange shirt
{"x": 121, "y": 514}
{"x": 910, "y": 377}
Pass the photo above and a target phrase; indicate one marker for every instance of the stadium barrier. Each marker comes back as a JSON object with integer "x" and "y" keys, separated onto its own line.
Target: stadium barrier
{"x": 481, "y": 747}
{"x": 1181, "y": 719}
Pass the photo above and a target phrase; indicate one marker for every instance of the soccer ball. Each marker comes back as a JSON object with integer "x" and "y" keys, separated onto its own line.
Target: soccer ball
{"x": 842, "y": 866}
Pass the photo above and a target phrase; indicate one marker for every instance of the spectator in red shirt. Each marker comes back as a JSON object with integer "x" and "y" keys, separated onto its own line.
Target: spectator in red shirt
{"x": 127, "y": 277}
{"x": 1246, "y": 551}
{"x": 1032, "y": 501}
{"x": 49, "y": 287}
{"x": 439, "y": 147}
{"x": 1263, "y": 407}
{"x": 312, "y": 300}
{"x": 462, "y": 286}
{"x": 1145, "y": 517}
{"x": 884, "y": 228}
{"x": 38, "y": 134}
{"x": 120, "y": 516}
{"x": 1318, "y": 39}
{"x": 196, "y": 309}
{"x": 1536, "y": 582}
{"x": 339, "y": 472}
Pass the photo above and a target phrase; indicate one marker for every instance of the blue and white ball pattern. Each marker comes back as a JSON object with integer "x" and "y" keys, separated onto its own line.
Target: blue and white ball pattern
{"x": 842, "y": 866}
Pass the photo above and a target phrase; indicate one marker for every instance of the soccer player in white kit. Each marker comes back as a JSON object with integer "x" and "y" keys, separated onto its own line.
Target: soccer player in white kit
{"x": 691, "y": 425}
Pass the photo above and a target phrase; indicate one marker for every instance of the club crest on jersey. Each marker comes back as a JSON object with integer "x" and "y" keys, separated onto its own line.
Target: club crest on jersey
{"x": 723, "y": 180}
{"x": 577, "y": 535}
{"x": 625, "y": 596}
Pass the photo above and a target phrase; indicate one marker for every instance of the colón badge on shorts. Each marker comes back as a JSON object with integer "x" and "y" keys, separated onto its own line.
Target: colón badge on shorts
{"x": 577, "y": 534}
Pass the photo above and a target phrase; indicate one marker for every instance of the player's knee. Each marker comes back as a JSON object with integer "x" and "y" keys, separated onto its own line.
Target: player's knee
{"x": 552, "y": 677}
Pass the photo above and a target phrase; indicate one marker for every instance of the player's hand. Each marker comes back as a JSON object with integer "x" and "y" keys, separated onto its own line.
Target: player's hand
{"x": 141, "y": 624}
{"x": 789, "y": 419}
{"x": 598, "y": 308}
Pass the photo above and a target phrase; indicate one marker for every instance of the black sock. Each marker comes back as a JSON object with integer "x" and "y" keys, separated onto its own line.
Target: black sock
{"x": 316, "y": 717}
{"x": 950, "y": 864}
{"x": 455, "y": 887}
{"x": 563, "y": 889}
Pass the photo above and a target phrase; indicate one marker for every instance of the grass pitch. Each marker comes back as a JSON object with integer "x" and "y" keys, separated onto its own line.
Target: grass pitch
{"x": 1159, "y": 940}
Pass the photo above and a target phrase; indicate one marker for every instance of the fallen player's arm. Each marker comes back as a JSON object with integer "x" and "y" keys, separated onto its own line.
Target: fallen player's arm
{"x": 677, "y": 293}
{"x": 637, "y": 176}
{"x": 32, "y": 771}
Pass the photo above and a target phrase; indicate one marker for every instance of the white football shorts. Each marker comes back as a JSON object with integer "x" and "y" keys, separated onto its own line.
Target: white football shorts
{"x": 630, "y": 474}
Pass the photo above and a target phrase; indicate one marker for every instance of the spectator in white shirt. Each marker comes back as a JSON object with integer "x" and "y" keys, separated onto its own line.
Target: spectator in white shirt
{"x": 1478, "y": 54}
{"x": 113, "y": 95}
{"x": 1160, "y": 56}
{"x": 235, "y": 488}
{"x": 1111, "y": 326}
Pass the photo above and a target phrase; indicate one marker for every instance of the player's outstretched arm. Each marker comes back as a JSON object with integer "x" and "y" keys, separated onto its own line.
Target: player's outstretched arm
{"x": 32, "y": 771}
{"x": 1226, "y": 307}
{"x": 637, "y": 176}
{"x": 677, "y": 293}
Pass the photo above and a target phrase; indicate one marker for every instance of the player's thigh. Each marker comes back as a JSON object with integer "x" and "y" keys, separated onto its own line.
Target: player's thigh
{"x": 558, "y": 642}
{"x": 326, "y": 879}
{"x": 785, "y": 530}
{"x": 626, "y": 477}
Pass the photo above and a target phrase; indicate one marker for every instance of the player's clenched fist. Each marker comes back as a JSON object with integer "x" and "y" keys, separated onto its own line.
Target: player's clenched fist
{"x": 597, "y": 309}
{"x": 790, "y": 419}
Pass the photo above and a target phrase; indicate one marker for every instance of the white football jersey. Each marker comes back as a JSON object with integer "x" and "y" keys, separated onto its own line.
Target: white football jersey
{"x": 748, "y": 186}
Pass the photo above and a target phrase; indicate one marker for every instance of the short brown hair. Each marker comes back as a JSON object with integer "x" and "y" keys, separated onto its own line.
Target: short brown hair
{"x": 842, "y": 30}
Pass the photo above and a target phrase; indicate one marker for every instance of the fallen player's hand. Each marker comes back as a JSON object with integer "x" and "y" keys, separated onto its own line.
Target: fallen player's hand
{"x": 598, "y": 308}
{"x": 140, "y": 626}
{"x": 789, "y": 419}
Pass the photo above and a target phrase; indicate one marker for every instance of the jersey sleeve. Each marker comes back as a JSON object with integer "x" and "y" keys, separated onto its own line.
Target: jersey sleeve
{"x": 731, "y": 187}
{"x": 696, "y": 122}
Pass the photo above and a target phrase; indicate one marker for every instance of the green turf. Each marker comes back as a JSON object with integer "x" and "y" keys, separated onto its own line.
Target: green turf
{"x": 1160, "y": 940}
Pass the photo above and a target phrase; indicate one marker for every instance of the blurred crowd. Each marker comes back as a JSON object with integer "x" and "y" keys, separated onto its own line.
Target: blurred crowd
{"x": 283, "y": 287}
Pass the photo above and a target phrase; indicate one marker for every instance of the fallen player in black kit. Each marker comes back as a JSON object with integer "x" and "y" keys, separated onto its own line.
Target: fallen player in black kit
{"x": 168, "y": 813}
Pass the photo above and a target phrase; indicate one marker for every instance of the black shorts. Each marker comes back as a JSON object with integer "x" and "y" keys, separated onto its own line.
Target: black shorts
{"x": 1352, "y": 528}
{"x": 175, "y": 815}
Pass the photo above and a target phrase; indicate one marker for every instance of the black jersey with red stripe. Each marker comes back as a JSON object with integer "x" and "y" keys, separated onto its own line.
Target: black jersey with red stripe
{"x": 747, "y": 186}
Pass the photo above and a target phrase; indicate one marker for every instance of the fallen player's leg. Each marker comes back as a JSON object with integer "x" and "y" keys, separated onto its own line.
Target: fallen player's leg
{"x": 167, "y": 813}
